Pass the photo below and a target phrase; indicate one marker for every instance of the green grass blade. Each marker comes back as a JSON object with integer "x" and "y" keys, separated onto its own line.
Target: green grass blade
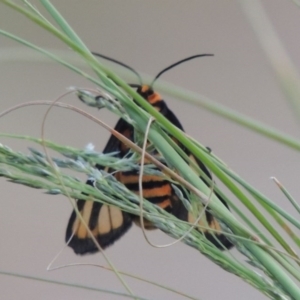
{"x": 284, "y": 69}
{"x": 287, "y": 194}
{"x": 73, "y": 285}
{"x": 274, "y": 268}
{"x": 62, "y": 23}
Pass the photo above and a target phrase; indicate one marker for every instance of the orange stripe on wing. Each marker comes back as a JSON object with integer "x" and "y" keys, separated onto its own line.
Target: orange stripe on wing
{"x": 157, "y": 192}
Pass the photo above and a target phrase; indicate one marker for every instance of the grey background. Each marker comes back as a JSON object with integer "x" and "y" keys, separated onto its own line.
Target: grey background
{"x": 147, "y": 35}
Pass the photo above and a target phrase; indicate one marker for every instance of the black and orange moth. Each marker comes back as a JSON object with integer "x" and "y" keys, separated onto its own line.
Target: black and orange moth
{"x": 109, "y": 223}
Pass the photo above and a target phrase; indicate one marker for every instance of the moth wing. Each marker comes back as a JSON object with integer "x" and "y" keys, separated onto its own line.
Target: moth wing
{"x": 107, "y": 223}
{"x": 114, "y": 144}
{"x": 207, "y": 225}
{"x": 215, "y": 236}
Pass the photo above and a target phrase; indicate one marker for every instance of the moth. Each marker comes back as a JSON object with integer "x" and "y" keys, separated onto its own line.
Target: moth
{"x": 109, "y": 223}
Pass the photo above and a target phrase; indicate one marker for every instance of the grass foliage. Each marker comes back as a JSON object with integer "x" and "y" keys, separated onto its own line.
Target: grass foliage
{"x": 273, "y": 266}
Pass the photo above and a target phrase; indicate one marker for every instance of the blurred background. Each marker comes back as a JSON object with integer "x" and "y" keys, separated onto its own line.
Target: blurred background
{"x": 147, "y": 35}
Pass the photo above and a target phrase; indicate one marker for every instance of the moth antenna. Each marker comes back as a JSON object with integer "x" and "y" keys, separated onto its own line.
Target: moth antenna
{"x": 121, "y": 64}
{"x": 176, "y": 64}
